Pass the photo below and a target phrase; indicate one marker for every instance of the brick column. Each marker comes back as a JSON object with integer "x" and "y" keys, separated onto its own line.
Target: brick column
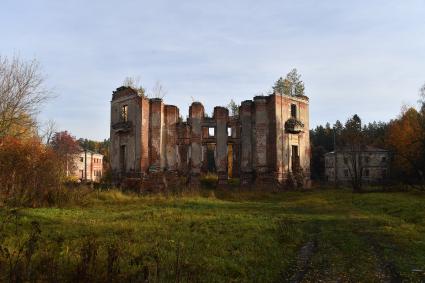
{"x": 261, "y": 132}
{"x": 171, "y": 119}
{"x": 196, "y": 114}
{"x": 144, "y": 132}
{"x": 156, "y": 115}
{"x": 245, "y": 114}
{"x": 221, "y": 115}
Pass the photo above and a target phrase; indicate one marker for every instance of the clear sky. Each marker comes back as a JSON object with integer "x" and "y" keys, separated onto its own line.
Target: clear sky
{"x": 364, "y": 57}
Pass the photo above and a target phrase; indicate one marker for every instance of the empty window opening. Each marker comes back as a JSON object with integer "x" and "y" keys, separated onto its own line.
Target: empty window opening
{"x": 229, "y": 160}
{"x": 229, "y": 131}
{"x": 211, "y": 132}
{"x": 211, "y": 157}
{"x": 124, "y": 113}
{"x": 345, "y": 172}
{"x": 293, "y": 111}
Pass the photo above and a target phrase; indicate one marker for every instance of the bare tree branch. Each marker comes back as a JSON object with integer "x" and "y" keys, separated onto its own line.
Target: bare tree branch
{"x": 136, "y": 84}
{"x": 158, "y": 91}
{"x": 48, "y": 130}
{"x": 22, "y": 93}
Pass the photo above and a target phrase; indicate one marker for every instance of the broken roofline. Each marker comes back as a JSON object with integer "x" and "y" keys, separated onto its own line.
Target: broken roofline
{"x": 124, "y": 91}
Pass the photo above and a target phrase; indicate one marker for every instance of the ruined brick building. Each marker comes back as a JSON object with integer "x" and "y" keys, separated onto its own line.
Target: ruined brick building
{"x": 267, "y": 141}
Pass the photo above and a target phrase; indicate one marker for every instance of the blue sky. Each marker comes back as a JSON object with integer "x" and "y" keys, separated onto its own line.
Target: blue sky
{"x": 364, "y": 57}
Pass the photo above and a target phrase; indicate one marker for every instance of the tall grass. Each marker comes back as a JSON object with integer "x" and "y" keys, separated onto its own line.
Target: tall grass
{"x": 215, "y": 236}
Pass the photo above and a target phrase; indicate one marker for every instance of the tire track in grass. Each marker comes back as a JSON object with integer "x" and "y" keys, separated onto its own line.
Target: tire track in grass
{"x": 303, "y": 261}
{"x": 386, "y": 269}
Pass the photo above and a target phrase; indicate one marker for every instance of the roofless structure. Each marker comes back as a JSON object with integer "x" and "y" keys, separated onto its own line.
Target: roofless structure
{"x": 267, "y": 142}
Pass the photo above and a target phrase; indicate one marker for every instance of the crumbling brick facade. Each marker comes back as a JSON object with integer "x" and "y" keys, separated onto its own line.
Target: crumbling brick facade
{"x": 267, "y": 142}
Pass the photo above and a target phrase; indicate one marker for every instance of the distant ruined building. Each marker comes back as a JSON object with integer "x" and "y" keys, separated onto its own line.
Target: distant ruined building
{"x": 370, "y": 164}
{"x": 268, "y": 142}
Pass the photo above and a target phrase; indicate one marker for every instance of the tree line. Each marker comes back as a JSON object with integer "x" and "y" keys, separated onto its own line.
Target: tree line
{"x": 403, "y": 135}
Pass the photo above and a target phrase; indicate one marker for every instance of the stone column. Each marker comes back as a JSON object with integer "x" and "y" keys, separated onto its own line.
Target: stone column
{"x": 196, "y": 114}
{"x": 245, "y": 114}
{"x": 171, "y": 119}
{"x": 261, "y": 132}
{"x": 221, "y": 115}
{"x": 156, "y": 133}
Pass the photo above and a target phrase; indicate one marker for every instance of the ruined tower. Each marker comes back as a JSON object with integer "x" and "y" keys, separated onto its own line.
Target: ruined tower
{"x": 267, "y": 142}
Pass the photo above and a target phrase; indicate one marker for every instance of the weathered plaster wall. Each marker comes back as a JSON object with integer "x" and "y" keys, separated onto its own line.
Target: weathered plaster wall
{"x": 125, "y": 134}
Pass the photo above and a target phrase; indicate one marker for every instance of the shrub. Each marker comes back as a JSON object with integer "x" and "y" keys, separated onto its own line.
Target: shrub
{"x": 209, "y": 180}
{"x": 31, "y": 174}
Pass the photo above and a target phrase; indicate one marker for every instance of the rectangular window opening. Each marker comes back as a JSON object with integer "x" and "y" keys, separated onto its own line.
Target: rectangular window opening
{"x": 293, "y": 111}
{"x": 124, "y": 113}
{"x": 211, "y": 132}
{"x": 229, "y": 131}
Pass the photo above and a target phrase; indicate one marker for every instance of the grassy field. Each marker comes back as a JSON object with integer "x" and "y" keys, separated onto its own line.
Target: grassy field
{"x": 321, "y": 235}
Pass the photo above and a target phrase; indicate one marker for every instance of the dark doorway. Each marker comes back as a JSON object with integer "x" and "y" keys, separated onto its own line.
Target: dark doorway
{"x": 295, "y": 158}
{"x": 123, "y": 158}
{"x": 211, "y": 157}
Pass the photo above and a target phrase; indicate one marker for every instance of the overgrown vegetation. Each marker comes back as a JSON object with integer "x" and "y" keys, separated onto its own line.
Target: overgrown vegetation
{"x": 222, "y": 236}
{"x": 291, "y": 85}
